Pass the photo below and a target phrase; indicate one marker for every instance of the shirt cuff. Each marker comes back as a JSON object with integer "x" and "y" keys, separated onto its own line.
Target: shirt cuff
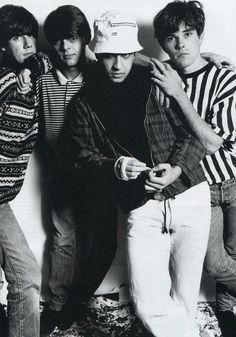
{"x": 120, "y": 166}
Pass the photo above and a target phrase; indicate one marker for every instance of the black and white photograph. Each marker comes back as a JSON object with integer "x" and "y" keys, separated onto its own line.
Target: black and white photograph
{"x": 118, "y": 168}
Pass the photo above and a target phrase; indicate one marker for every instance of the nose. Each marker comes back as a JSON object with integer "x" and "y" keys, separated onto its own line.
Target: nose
{"x": 117, "y": 62}
{"x": 179, "y": 43}
{"x": 27, "y": 41}
{"x": 65, "y": 44}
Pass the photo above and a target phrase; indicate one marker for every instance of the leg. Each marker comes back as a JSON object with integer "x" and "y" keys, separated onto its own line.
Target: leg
{"x": 222, "y": 253}
{"x": 220, "y": 260}
{"x": 148, "y": 267}
{"x": 23, "y": 277}
{"x": 99, "y": 230}
{"x": 189, "y": 237}
{"x": 62, "y": 256}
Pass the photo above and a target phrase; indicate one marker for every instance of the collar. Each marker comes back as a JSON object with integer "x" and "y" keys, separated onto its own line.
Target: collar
{"x": 63, "y": 80}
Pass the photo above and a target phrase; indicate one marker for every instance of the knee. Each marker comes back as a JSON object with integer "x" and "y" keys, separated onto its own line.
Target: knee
{"x": 214, "y": 267}
{"x": 65, "y": 238}
{"x": 34, "y": 278}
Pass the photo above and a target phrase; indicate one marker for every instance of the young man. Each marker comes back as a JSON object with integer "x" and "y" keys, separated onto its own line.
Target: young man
{"x": 206, "y": 97}
{"x": 55, "y": 91}
{"x": 130, "y": 149}
{"x": 18, "y": 132}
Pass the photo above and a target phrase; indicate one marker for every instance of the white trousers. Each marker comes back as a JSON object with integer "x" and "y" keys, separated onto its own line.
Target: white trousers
{"x": 165, "y": 268}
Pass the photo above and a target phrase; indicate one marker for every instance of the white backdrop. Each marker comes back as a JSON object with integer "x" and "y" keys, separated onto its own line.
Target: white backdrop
{"x": 220, "y": 37}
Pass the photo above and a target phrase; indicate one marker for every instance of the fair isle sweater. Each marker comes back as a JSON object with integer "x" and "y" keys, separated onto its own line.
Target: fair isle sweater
{"x": 18, "y": 127}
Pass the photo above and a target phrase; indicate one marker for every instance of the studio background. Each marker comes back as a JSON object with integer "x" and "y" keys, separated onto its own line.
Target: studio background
{"x": 220, "y": 37}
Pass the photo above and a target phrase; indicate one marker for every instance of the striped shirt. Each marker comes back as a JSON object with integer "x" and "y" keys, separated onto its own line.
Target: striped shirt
{"x": 54, "y": 92}
{"x": 212, "y": 92}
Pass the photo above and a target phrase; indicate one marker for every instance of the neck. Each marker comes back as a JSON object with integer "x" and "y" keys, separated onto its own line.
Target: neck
{"x": 71, "y": 73}
{"x": 197, "y": 65}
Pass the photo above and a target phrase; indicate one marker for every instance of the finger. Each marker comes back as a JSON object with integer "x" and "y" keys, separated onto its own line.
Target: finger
{"x": 161, "y": 166}
{"x": 167, "y": 102}
{"x": 154, "y": 186}
{"x": 149, "y": 189}
{"x": 161, "y": 98}
{"x": 156, "y": 81}
{"x": 158, "y": 64}
{"x": 135, "y": 162}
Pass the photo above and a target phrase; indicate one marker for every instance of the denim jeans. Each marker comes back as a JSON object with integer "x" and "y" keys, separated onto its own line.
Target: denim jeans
{"x": 165, "y": 268}
{"x": 23, "y": 276}
{"x": 220, "y": 260}
{"x": 63, "y": 255}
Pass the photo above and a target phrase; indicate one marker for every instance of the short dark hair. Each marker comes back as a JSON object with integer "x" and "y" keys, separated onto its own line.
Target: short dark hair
{"x": 168, "y": 20}
{"x": 66, "y": 22}
{"x": 16, "y": 21}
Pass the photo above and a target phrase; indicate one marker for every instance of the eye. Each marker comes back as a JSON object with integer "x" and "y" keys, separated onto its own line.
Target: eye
{"x": 72, "y": 39}
{"x": 126, "y": 56}
{"x": 187, "y": 34}
{"x": 16, "y": 38}
{"x": 169, "y": 39}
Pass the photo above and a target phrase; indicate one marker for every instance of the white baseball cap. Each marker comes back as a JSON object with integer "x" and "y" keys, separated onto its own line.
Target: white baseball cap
{"x": 116, "y": 33}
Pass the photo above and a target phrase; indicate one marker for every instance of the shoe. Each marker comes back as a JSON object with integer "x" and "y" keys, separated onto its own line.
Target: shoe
{"x": 48, "y": 321}
{"x": 227, "y": 323}
{"x": 208, "y": 333}
{"x": 3, "y": 322}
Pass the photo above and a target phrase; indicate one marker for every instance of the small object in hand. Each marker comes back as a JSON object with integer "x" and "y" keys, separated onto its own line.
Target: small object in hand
{"x": 159, "y": 173}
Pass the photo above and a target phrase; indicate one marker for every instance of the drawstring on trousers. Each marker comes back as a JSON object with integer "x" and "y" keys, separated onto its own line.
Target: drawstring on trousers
{"x": 164, "y": 228}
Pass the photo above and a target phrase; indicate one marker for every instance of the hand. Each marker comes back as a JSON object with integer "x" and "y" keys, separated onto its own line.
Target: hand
{"x": 164, "y": 76}
{"x": 220, "y": 61}
{"x": 23, "y": 81}
{"x": 131, "y": 168}
{"x": 168, "y": 175}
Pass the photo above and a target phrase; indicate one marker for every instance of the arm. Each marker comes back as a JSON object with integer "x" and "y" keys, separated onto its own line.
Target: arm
{"x": 80, "y": 148}
{"x": 182, "y": 151}
{"x": 219, "y": 60}
{"x": 168, "y": 79}
{"x": 35, "y": 66}
{"x": 8, "y": 85}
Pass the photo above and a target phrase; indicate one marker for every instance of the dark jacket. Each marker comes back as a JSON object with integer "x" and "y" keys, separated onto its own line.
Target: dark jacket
{"x": 92, "y": 151}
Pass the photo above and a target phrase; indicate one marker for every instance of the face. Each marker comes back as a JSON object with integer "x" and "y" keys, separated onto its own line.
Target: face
{"x": 69, "y": 51}
{"x": 183, "y": 48}
{"x": 21, "y": 47}
{"x": 117, "y": 66}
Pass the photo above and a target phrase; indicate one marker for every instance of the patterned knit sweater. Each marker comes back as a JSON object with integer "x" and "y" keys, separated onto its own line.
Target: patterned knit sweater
{"x": 18, "y": 127}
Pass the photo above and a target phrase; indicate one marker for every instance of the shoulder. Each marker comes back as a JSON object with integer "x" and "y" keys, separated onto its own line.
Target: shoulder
{"x": 141, "y": 72}
{"x": 47, "y": 78}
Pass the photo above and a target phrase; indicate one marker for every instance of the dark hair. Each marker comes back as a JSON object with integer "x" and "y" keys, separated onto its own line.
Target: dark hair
{"x": 168, "y": 20}
{"x": 16, "y": 21}
{"x": 66, "y": 22}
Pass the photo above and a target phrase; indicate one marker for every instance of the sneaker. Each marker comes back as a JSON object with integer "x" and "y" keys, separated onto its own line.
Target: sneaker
{"x": 227, "y": 322}
{"x": 208, "y": 333}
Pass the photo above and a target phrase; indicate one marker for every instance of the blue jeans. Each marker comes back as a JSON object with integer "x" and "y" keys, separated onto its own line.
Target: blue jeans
{"x": 23, "y": 276}
{"x": 220, "y": 261}
{"x": 63, "y": 254}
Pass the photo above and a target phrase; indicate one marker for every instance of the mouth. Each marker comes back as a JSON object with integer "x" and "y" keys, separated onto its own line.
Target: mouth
{"x": 117, "y": 75}
{"x": 68, "y": 57}
{"x": 183, "y": 54}
{"x": 26, "y": 55}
